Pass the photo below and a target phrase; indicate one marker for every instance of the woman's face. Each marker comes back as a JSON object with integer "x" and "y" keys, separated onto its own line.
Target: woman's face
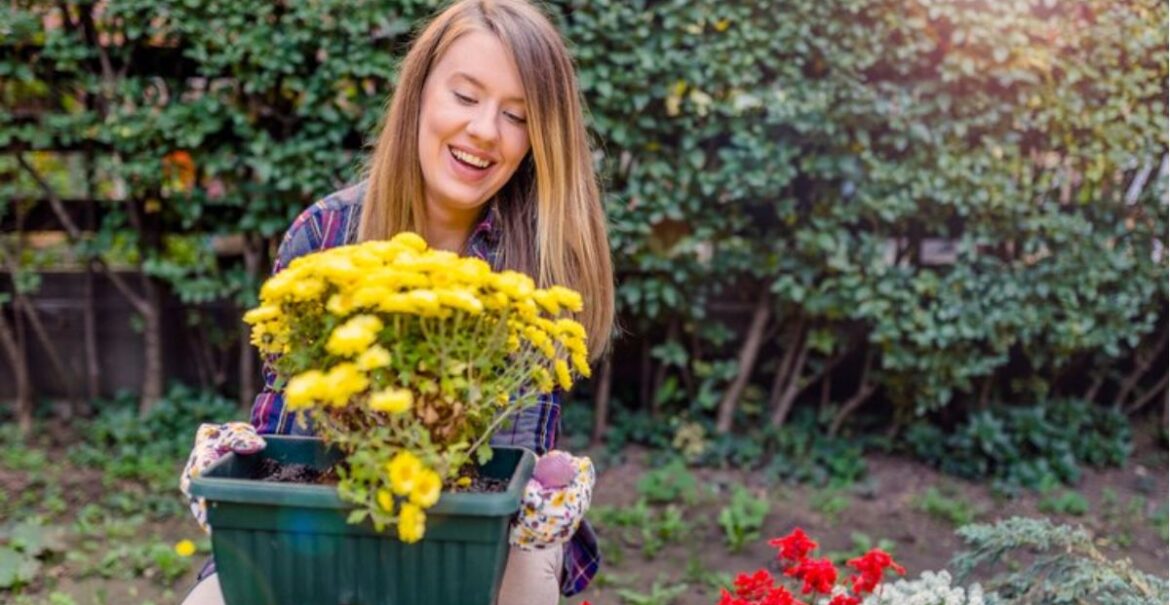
{"x": 472, "y": 131}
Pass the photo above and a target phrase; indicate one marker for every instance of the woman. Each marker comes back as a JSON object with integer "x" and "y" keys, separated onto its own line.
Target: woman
{"x": 483, "y": 150}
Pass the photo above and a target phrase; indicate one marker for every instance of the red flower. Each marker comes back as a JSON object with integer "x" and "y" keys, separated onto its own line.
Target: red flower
{"x": 871, "y": 567}
{"x": 754, "y": 586}
{"x": 779, "y": 596}
{"x": 725, "y": 598}
{"x": 794, "y": 547}
{"x": 844, "y": 599}
{"x": 818, "y": 575}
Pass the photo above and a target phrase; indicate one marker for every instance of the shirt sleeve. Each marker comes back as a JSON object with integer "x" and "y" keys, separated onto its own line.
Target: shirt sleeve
{"x": 268, "y": 413}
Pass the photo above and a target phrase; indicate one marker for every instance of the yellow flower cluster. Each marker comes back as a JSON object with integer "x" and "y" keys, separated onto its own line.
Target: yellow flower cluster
{"x": 393, "y": 338}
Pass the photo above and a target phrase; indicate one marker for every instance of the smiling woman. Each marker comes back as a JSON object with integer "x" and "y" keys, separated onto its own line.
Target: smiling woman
{"x": 483, "y": 150}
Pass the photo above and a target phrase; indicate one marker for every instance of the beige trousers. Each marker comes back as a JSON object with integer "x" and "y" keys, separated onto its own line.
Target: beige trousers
{"x": 531, "y": 577}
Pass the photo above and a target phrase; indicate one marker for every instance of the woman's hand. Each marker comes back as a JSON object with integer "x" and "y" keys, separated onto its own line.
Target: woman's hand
{"x": 554, "y": 502}
{"x": 212, "y": 442}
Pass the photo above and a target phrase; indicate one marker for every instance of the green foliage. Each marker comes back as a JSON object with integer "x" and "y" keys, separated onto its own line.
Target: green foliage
{"x": 642, "y": 526}
{"x": 660, "y": 594}
{"x": 860, "y": 543}
{"x": 151, "y": 449}
{"x": 1061, "y": 565}
{"x": 830, "y": 503}
{"x": 1066, "y": 502}
{"x": 670, "y": 483}
{"x": 23, "y": 549}
{"x": 1029, "y": 446}
{"x": 954, "y": 510}
{"x": 743, "y": 517}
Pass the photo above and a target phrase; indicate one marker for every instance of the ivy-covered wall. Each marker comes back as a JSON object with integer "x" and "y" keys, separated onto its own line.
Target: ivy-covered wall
{"x": 838, "y": 204}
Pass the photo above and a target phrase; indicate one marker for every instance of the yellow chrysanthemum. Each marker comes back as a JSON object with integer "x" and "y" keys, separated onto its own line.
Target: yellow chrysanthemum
{"x": 262, "y": 314}
{"x": 565, "y": 326}
{"x": 373, "y": 358}
{"x": 342, "y": 382}
{"x": 581, "y": 364}
{"x": 513, "y": 343}
{"x": 277, "y": 286}
{"x": 403, "y": 471}
{"x": 354, "y": 336}
{"x": 462, "y": 300}
{"x": 568, "y": 298}
{"x": 385, "y": 500}
{"x": 369, "y": 297}
{"x": 391, "y": 401}
{"x": 412, "y": 241}
{"x": 547, "y": 301}
{"x": 516, "y": 285}
{"x": 425, "y": 301}
{"x": 563, "y": 376}
{"x": 544, "y": 382}
{"x": 412, "y": 523}
{"x": 303, "y": 389}
{"x": 426, "y": 489}
{"x": 340, "y": 304}
{"x": 306, "y": 289}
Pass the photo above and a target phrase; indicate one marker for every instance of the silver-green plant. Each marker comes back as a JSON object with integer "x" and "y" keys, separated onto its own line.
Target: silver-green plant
{"x": 1062, "y": 565}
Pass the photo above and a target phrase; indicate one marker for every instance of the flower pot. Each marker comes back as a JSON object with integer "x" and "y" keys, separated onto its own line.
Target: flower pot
{"x": 284, "y": 543}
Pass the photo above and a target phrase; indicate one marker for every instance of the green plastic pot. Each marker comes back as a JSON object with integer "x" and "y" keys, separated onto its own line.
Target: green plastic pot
{"x": 283, "y": 543}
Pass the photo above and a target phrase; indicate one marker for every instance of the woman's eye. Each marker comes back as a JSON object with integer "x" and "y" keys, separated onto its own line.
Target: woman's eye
{"x": 466, "y": 100}
{"x": 515, "y": 119}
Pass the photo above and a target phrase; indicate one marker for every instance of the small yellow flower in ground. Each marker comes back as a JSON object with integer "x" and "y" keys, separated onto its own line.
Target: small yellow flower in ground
{"x": 392, "y": 401}
{"x": 375, "y": 357}
{"x": 185, "y": 548}
{"x": 463, "y": 481}
{"x": 385, "y": 500}
{"x": 426, "y": 489}
{"x": 411, "y": 523}
{"x": 354, "y": 336}
{"x": 403, "y": 471}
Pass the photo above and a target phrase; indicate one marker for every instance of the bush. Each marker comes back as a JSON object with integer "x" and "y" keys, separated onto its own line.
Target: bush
{"x": 968, "y": 193}
{"x": 1033, "y": 446}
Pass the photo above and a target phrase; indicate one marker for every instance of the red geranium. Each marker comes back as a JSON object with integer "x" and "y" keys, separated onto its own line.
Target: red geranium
{"x": 818, "y": 576}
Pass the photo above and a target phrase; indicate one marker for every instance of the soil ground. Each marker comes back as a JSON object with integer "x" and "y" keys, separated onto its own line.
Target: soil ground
{"x": 1127, "y": 507}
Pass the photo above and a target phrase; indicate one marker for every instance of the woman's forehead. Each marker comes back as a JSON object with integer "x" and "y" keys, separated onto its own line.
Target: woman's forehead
{"x": 479, "y": 59}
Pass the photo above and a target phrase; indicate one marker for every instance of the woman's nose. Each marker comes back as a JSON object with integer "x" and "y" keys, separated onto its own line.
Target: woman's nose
{"x": 483, "y": 125}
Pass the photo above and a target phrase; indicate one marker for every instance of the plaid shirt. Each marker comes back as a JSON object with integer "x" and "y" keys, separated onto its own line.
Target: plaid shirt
{"x": 333, "y": 221}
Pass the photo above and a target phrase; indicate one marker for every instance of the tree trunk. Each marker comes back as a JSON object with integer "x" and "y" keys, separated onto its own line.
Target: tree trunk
{"x": 152, "y": 347}
{"x": 865, "y": 389}
{"x": 248, "y": 384}
{"x": 23, "y": 408}
{"x": 786, "y": 385}
{"x": 93, "y": 385}
{"x": 1142, "y": 363}
{"x": 747, "y": 360}
{"x": 1148, "y": 396}
{"x": 601, "y": 401}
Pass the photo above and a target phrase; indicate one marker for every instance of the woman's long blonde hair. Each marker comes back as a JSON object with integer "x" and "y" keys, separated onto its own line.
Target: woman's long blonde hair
{"x": 553, "y": 225}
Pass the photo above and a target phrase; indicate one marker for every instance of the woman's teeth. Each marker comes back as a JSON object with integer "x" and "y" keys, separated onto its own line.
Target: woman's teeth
{"x": 467, "y": 158}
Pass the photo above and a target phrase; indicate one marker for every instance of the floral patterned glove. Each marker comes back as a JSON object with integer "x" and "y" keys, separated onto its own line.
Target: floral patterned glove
{"x": 554, "y": 502}
{"x": 212, "y": 442}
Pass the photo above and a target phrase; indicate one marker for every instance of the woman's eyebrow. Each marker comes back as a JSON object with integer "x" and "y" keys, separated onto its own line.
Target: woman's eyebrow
{"x": 475, "y": 82}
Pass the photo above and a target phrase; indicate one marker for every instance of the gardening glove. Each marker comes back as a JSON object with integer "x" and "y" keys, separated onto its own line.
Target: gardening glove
{"x": 212, "y": 442}
{"x": 554, "y": 502}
